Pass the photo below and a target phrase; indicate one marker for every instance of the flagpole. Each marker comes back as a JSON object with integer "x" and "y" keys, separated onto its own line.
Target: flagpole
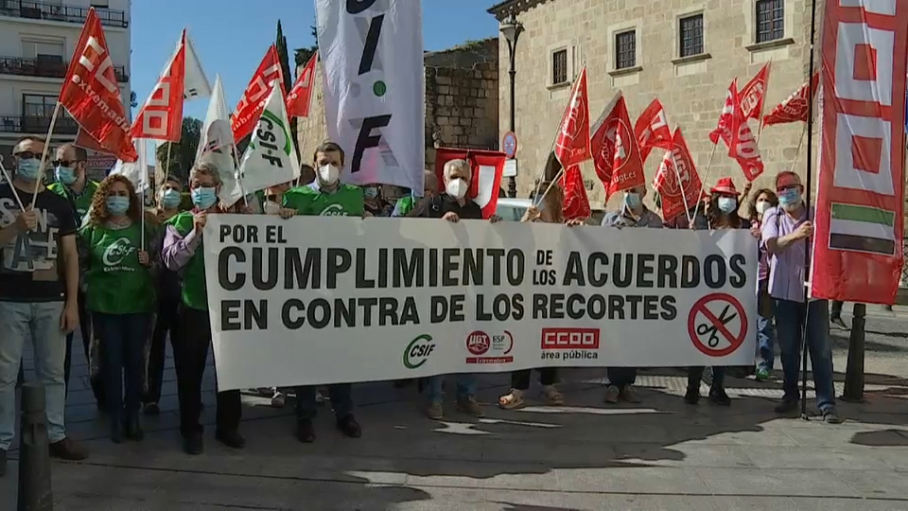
{"x": 10, "y": 181}
{"x": 763, "y": 105}
{"x": 239, "y": 177}
{"x": 551, "y": 184}
{"x": 690, "y": 221}
{"x": 50, "y": 132}
{"x": 709, "y": 164}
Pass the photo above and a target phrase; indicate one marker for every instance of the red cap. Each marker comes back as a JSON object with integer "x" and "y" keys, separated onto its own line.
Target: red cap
{"x": 725, "y": 185}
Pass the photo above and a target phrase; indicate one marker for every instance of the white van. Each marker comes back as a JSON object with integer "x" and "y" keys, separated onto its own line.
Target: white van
{"x": 512, "y": 210}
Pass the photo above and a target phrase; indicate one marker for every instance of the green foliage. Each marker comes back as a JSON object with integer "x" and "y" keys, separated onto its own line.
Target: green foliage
{"x": 182, "y": 153}
{"x": 302, "y": 55}
{"x": 281, "y": 44}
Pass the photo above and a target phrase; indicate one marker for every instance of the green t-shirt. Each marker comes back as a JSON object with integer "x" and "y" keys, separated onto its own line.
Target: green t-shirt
{"x": 195, "y": 294}
{"x": 116, "y": 282}
{"x": 82, "y": 201}
{"x": 308, "y": 200}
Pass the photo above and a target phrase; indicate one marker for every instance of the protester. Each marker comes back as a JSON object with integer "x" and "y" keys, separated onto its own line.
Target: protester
{"x": 452, "y": 206}
{"x": 168, "y": 288}
{"x": 762, "y": 201}
{"x": 374, "y": 203}
{"x": 38, "y": 298}
{"x": 307, "y": 175}
{"x": 633, "y": 214}
{"x": 182, "y": 251}
{"x": 326, "y": 196}
{"x": 407, "y": 203}
{"x": 786, "y": 233}
{"x": 121, "y": 297}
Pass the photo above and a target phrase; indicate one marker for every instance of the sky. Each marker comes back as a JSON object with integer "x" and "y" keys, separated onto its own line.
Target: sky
{"x": 232, "y": 36}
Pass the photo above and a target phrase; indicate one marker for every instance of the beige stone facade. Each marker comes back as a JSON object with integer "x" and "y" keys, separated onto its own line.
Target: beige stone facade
{"x": 461, "y": 101}
{"x": 692, "y": 89}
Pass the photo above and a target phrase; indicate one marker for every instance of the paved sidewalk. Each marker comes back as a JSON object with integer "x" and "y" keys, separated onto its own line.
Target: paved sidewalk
{"x": 660, "y": 455}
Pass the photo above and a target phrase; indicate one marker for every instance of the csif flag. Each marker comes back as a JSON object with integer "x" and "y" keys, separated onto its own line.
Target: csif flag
{"x": 91, "y": 93}
{"x": 195, "y": 83}
{"x": 753, "y": 96}
{"x": 677, "y": 180}
{"x": 300, "y": 96}
{"x": 796, "y": 106}
{"x": 572, "y": 145}
{"x": 161, "y": 118}
{"x": 256, "y": 94}
{"x": 575, "y": 204}
{"x": 651, "y": 129}
{"x": 270, "y": 158}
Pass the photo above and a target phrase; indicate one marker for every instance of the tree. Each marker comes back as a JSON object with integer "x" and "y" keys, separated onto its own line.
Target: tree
{"x": 182, "y": 153}
{"x": 281, "y": 45}
{"x": 302, "y": 55}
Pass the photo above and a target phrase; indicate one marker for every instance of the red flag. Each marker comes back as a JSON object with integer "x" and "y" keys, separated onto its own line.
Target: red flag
{"x": 627, "y": 171}
{"x": 576, "y": 204}
{"x": 753, "y": 95}
{"x": 162, "y": 116}
{"x": 301, "y": 94}
{"x": 795, "y": 107}
{"x": 487, "y": 168}
{"x": 91, "y": 93}
{"x": 253, "y": 101}
{"x": 677, "y": 180}
{"x": 602, "y": 143}
{"x": 573, "y": 143}
{"x": 743, "y": 147}
{"x": 84, "y": 140}
{"x": 652, "y": 129}
{"x": 726, "y": 118}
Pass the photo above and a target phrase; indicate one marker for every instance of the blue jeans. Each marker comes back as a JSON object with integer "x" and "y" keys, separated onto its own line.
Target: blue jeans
{"x": 790, "y": 317}
{"x": 765, "y": 333}
{"x": 466, "y": 387}
{"x": 341, "y": 401}
{"x": 39, "y": 324}
{"x": 123, "y": 337}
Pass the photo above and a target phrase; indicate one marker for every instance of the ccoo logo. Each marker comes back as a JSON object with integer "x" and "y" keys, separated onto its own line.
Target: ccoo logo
{"x": 417, "y": 352}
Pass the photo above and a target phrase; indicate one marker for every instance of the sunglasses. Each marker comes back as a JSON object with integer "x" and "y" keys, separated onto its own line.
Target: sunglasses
{"x": 65, "y": 163}
{"x": 27, "y": 155}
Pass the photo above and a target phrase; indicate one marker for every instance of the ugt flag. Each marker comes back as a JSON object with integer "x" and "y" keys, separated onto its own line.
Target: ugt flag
{"x": 372, "y": 56}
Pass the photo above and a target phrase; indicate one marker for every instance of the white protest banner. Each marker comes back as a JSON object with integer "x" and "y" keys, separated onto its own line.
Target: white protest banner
{"x": 374, "y": 95}
{"x": 315, "y": 300}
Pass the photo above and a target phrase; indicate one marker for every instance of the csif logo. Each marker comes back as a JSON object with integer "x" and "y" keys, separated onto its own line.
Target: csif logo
{"x": 117, "y": 251}
{"x": 333, "y": 210}
{"x": 417, "y": 352}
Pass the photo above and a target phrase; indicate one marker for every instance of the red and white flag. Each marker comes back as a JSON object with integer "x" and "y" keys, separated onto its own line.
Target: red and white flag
{"x": 735, "y": 132}
{"x": 726, "y": 118}
{"x": 576, "y": 204}
{"x": 91, "y": 93}
{"x": 602, "y": 143}
{"x": 627, "y": 170}
{"x": 161, "y": 118}
{"x": 253, "y": 101}
{"x": 300, "y": 96}
{"x": 796, "y": 107}
{"x": 677, "y": 180}
{"x": 572, "y": 146}
{"x": 652, "y": 129}
{"x": 753, "y": 96}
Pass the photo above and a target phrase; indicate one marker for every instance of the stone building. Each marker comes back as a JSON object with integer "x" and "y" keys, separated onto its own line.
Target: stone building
{"x": 461, "y": 101}
{"x": 686, "y": 53}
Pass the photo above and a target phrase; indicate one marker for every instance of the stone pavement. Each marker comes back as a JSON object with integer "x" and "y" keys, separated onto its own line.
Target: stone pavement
{"x": 660, "y": 455}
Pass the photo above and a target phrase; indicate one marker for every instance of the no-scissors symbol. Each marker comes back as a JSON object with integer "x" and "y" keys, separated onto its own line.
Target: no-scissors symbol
{"x": 717, "y": 324}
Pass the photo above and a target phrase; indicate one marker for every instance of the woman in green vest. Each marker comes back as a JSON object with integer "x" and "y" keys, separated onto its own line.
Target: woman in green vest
{"x": 120, "y": 295}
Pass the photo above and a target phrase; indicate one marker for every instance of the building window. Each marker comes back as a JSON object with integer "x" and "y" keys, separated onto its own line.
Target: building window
{"x": 100, "y": 4}
{"x": 770, "y": 20}
{"x": 37, "y": 48}
{"x": 691, "y": 31}
{"x": 626, "y": 50}
{"x": 559, "y": 67}
{"x": 34, "y": 105}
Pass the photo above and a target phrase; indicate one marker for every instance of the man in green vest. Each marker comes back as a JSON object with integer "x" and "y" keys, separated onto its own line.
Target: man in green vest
{"x": 71, "y": 182}
{"x": 326, "y": 196}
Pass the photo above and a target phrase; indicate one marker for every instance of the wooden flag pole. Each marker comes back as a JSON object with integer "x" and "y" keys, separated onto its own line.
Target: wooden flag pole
{"x": 50, "y": 132}
{"x": 709, "y": 164}
{"x": 763, "y": 106}
{"x": 10, "y": 181}
{"x": 536, "y": 203}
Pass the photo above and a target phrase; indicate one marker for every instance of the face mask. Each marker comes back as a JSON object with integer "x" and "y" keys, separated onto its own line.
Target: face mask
{"x": 727, "y": 204}
{"x": 328, "y": 174}
{"x": 370, "y": 192}
{"x": 204, "y": 198}
{"x": 271, "y": 208}
{"x": 457, "y": 188}
{"x": 632, "y": 200}
{"x": 790, "y": 199}
{"x": 65, "y": 175}
{"x": 28, "y": 169}
{"x": 117, "y": 205}
{"x": 762, "y": 206}
{"x": 171, "y": 198}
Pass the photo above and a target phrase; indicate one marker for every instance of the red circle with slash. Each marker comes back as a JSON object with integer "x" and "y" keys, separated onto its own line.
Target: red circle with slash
{"x": 713, "y": 325}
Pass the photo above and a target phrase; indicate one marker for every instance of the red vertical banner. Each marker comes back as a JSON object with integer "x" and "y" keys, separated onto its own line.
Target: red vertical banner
{"x": 487, "y": 168}
{"x": 858, "y": 233}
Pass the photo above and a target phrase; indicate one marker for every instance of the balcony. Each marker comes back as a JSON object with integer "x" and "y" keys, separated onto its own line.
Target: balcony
{"x": 64, "y": 13}
{"x": 33, "y": 125}
{"x": 46, "y": 67}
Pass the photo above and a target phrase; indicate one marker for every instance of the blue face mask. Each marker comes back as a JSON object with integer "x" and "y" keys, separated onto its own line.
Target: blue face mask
{"x": 727, "y": 204}
{"x": 28, "y": 169}
{"x": 65, "y": 175}
{"x": 370, "y": 192}
{"x": 117, "y": 205}
{"x": 632, "y": 200}
{"x": 204, "y": 198}
{"x": 171, "y": 198}
{"x": 790, "y": 198}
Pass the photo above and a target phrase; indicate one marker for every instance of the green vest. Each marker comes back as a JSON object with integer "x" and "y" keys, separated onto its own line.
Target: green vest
{"x": 307, "y": 200}
{"x": 195, "y": 294}
{"x": 116, "y": 282}
{"x": 82, "y": 202}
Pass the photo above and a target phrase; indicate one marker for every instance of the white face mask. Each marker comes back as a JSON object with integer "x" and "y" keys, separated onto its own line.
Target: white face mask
{"x": 271, "y": 208}
{"x": 328, "y": 174}
{"x": 762, "y": 206}
{"x": 457, "y": 188}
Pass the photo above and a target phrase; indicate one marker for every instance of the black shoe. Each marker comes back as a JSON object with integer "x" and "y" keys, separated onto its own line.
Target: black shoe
{"x": 67, "y": 450}
{"x": 692, "y": 396}
{"x": 133, "y": 429}
{"x": 349, "y": 427}
{"x": 231, "y": 439}
{"x": 837, "y": 321}
{"x": 151, "y": 409}
{"x": 305, "y": 433}
{"x": 116, "y": 431}
{"x": 193, "y": 445}
{"x": 786, "y": 406}
{"x": 719, "y": 397}
{"x": 2, "y": 462}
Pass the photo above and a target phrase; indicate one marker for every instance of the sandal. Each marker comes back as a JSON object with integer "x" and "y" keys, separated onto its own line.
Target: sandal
{"x": 512, "y": 400}
{"x": 552, "y": 396}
